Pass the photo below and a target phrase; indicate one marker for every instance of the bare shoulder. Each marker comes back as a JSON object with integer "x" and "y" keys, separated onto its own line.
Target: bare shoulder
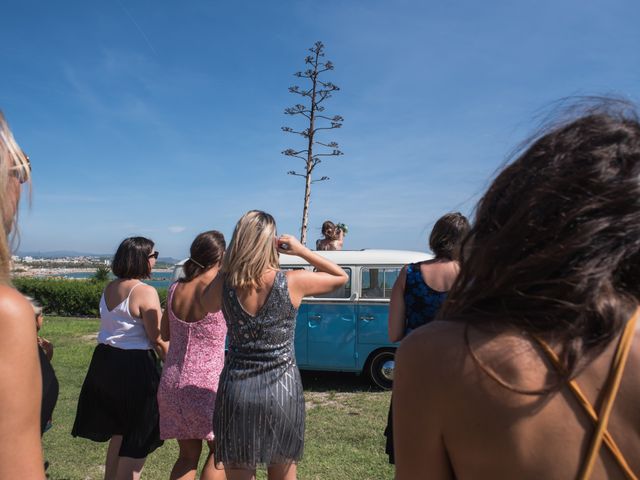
{"x": 435, "y": 340}
{"x": 145, "y": 297}
{"x": 295, "y": 274}
{"x": 145, "y": 291}
{"x": 13, "y": 304}
{"x": 16, "y": 313}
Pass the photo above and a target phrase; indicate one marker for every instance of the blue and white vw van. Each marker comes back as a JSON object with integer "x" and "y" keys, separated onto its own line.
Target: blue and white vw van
{"x": 346, "y": 330}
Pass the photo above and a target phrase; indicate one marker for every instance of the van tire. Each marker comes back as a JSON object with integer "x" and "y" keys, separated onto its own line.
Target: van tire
{"x": 376, "y": 366}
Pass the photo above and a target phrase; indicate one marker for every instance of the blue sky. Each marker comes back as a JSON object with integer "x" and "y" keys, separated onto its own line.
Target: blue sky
{"x": 163, "y": 118}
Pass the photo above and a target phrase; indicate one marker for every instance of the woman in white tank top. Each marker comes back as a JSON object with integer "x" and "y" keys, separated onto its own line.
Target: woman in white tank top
{"x": 118, "y": 398}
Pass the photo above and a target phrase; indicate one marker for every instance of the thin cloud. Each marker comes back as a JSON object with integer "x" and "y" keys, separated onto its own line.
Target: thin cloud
{"x": 144, "y": 35}
{"x": 177, "y": 229}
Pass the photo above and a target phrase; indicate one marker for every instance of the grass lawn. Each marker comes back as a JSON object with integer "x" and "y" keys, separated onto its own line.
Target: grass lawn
{"x": 345, "y": 420}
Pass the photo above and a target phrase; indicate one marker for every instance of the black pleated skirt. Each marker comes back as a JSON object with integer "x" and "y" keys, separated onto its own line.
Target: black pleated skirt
{"x": 118, "y": 397}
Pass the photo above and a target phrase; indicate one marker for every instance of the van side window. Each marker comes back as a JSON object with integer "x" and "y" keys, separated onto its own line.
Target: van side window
{"x": 341, "y": 292}
{"x": 378, "y": 282}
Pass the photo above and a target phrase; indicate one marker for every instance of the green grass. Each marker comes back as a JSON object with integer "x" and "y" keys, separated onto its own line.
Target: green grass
{"x": 345, "y": 420}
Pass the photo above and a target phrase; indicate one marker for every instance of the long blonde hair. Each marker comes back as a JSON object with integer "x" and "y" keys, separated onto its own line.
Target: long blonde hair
{"x": 252, "y": 250}
{"x": 11, "y": 157}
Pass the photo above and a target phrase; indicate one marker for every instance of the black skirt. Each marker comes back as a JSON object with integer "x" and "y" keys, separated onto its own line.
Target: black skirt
{"x": 50, "y": 390}
{"x": 388, "y": 433}
{"x": 118, "y": 397}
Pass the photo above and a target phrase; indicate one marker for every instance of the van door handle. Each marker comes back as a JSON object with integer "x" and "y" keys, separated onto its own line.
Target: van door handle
{"x": 314, "y": 320}
{"x": 367, "y": 318}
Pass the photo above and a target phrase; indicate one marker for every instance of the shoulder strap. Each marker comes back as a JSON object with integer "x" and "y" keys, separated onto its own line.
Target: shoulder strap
{"x": 170, "y": 292}
{"x": 408, "y": 279}
{"x": 611, "y": 388}
{"x": 133, "y": 288}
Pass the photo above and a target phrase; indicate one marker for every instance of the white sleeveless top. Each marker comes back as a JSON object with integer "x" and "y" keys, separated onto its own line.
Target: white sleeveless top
{"x": 120, "y": 329}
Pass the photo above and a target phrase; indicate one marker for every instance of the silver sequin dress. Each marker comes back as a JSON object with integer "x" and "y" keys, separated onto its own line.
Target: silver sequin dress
{"x": 259, "y": 413}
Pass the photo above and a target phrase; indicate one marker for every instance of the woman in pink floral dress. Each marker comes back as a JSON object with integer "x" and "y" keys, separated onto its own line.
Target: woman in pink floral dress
{"x": 187, "y": 391}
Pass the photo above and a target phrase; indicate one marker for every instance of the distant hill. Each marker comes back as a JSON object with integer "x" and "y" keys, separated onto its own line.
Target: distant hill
{"x": 170, "y": 260}
{"x": 61, "y": 253}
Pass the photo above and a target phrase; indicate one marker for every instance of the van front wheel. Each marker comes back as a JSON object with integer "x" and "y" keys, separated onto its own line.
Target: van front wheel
{"x": 380, "y": 368}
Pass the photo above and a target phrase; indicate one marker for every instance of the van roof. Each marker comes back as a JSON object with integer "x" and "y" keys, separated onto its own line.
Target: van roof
{"x": 359, "y": 257}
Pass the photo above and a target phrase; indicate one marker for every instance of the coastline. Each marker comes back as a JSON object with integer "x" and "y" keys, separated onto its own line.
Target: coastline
{"x": 24, "y": 271}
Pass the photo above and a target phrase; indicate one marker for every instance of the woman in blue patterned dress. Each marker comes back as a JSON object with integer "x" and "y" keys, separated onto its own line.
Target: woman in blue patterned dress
{"x": 421, "y": 288}
{"x": 259, "y": 413}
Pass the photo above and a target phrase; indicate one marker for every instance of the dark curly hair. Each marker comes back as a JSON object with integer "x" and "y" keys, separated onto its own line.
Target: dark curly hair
{"x": 555, "y": 247}
{"x": 205, "y": 252}
{"x": 447, "y": 235}
{"x": 131, "y": 260}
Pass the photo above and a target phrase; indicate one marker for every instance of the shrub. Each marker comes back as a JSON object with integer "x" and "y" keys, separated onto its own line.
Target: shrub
{"x": 102, "y": 274}
{"x": 68, "y": 298}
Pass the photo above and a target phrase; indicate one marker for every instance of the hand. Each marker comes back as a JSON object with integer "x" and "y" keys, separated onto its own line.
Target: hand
{"x": 47, "y": 346}
{"x": 292, "y": 244}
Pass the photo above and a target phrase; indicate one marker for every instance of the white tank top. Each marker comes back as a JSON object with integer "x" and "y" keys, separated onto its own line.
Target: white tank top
{"x": 119, "y": 328}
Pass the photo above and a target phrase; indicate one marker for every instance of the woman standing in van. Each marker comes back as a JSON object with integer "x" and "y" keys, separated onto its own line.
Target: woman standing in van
{"x": 259, "y": 413}
{"x": 333, "y": 236}
{"x": 421, "y": 288}
{"x": 189, "y": 381}
{"x": 118, "y": 397}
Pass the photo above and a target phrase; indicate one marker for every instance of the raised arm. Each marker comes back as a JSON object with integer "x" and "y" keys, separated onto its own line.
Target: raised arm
{"x": 396, "y": 308}
{"x": 327, "y": 277}
{"x": 20, "y": 389}
{"x": 150, "y": 312}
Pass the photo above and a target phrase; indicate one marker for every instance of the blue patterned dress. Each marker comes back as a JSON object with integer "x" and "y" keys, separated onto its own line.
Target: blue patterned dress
{"x": 421, "y": 304}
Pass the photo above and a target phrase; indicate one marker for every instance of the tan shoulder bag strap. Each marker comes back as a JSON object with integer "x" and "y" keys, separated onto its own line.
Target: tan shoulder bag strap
{"x": 601, "y": 434}
{"x": 611, "y": 389}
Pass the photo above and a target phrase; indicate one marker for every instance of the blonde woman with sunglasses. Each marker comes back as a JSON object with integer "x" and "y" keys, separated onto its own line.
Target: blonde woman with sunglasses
{"x": 259, "y": 414}
{"x": 20, "y": 380}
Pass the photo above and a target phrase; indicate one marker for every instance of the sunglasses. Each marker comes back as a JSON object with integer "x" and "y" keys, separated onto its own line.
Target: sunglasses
{"x": 22, "y": 171}
{"x": 154, "y": 255}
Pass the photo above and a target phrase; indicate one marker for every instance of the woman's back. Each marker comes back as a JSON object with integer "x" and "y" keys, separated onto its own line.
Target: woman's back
{"x": 485, "y": 430}
{"x": 120, "y": 322}
{"x": 197, "y": 345}
{"x": 187, "y": 391}
{"x": 260, "y": 384}
{"x": 265, "y": 326}
{"x": 425, "y": 290}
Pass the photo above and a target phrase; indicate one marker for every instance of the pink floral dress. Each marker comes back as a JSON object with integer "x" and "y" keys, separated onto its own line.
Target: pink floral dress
{"x": 187, "y": 391}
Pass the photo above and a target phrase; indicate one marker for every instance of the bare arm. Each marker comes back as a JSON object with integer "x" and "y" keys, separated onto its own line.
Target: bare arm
{"x": 164, "y": 326}
{"x": 20, "y": 389}
{"x": 397, "y": 321}
{"x": 211, "y": 299}
{"x": 150, "y": 312}
{"x": 327, "y": 277}
{"x": 418, "y": 413}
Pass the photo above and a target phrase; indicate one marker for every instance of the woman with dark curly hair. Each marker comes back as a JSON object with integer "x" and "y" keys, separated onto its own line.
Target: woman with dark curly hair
{"x": 520, "y": 380}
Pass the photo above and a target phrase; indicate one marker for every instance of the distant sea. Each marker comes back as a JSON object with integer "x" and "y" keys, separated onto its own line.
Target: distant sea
{"x": 158, "y": 279}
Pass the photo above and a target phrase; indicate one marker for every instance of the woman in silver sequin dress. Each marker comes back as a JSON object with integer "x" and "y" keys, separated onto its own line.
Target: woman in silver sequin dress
{"x": 259, "y": 413}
